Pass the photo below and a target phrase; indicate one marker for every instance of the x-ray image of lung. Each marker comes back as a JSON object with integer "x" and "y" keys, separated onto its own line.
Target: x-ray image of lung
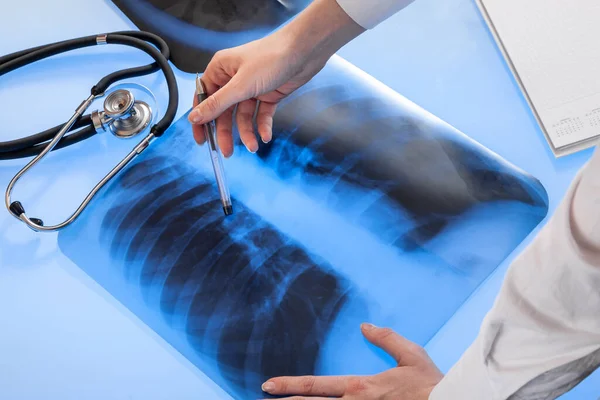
{"x": 196, "y": 29}
{"x": 404, "y": 177}
{"x": 363, "y": 208}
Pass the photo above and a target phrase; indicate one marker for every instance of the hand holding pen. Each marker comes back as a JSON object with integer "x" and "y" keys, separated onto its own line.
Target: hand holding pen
{"x": 256, "y": 76}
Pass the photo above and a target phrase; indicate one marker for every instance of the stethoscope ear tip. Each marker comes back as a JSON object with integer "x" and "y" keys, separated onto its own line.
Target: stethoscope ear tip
{"x": 17, "y": 209}
{"x": 37, "y": 221}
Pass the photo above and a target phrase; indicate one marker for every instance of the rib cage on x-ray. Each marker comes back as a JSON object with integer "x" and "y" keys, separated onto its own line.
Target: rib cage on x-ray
{"x": 245, "y": 295}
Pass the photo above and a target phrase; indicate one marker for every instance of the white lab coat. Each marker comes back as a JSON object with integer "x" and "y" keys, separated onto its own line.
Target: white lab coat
{"x": 542, "y": 336}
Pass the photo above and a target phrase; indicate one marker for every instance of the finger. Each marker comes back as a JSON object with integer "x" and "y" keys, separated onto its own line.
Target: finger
{"x": 198, "y": 130}
{"x": 264, "y": 120}
{"x": 244, "y": 117}
{"x": 214, "y": 78}
{"x": 225, "y": 132}
{"x": 306, "y": 385}
{"x": 234, "y": 91}
{"x": 405, "y": 352}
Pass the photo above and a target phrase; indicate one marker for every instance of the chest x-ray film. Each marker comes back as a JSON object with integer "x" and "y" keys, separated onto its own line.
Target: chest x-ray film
{"x": 363, "y": 208}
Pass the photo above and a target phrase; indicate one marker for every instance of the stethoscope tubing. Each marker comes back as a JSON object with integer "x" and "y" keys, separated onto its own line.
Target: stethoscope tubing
{"x": 30, "y": 145}
{"x": 16, "y": 60}
{"x": 35, "y": 144}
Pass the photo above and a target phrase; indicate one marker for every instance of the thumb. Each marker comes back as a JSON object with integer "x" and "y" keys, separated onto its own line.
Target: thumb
{"x": 219, "y": 102}
{"x": 405, "y": 352}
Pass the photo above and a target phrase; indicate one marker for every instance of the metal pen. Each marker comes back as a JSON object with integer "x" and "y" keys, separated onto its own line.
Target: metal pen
{"x": 214, "y": 151}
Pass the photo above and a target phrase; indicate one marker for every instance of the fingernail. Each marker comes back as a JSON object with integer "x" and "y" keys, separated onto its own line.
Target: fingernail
{"x": 252, "y": 150}
{"x": 368, "y": 327}
{"x": 195, "y": 116}
{"x": 268, "y": 387}
{"x": 265, "y": 141}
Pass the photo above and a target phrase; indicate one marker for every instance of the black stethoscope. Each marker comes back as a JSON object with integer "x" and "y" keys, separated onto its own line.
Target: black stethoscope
{"x": 123, "y": 115}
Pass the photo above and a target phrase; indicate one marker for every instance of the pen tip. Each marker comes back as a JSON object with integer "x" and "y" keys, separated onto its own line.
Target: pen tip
{"x": 228, "y": 210}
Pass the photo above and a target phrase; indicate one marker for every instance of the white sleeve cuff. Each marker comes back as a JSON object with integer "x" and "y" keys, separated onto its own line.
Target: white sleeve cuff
{"x": 467, "y": 380}
{"x": 369, "y": 14}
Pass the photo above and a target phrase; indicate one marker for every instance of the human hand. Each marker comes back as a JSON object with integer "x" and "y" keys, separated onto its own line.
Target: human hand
{"x": 256, "y": 76}
{"x": 413, "y": 379}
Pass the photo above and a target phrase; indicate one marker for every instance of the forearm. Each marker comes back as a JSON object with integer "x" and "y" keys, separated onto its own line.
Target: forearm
{"x": 325, "y": 26}
{"x": 543, "y": 333}
{"x": 320, "y": 30}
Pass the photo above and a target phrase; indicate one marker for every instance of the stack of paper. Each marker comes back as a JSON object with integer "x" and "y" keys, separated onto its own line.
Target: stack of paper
{"x": 552, "y": 48}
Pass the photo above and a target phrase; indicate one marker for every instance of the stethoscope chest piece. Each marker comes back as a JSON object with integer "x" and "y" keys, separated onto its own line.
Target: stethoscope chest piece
{"x": 123, "y": 115}
{"x": 139, "y": 118}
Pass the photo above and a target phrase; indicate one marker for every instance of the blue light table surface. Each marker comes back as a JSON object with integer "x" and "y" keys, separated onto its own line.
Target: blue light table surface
{"x": 63, "y": 337}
